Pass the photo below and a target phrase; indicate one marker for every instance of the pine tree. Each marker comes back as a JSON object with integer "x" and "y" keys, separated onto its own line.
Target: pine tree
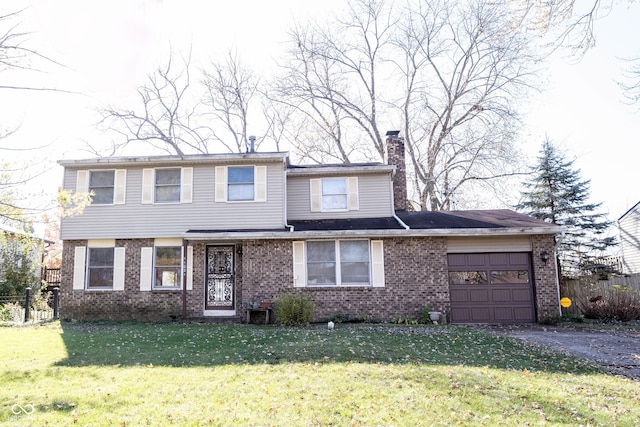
{"x": 557, "y": 194}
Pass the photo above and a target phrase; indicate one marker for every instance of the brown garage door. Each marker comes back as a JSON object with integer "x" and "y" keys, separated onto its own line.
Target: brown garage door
{"x": 491, "y": 288}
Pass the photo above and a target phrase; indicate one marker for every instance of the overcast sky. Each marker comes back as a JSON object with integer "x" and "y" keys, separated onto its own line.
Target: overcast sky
{"x": 109, "y": 47}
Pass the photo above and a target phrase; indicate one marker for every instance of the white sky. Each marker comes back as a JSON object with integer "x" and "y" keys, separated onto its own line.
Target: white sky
{"x": 110, "y": 46}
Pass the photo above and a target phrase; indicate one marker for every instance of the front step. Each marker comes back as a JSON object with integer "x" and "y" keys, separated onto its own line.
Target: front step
{"x": 224, "y": 320}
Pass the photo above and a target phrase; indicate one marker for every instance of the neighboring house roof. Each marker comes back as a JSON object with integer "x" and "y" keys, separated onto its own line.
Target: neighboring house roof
{"x": 633, "y": 208}
{"x": 422, "y": 223}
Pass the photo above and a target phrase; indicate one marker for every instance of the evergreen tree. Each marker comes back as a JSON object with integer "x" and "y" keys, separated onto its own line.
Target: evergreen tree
{"x": 557, "y": 194}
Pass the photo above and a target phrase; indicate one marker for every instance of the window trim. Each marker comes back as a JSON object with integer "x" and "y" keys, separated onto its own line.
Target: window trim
{"x": 113, "y": 187}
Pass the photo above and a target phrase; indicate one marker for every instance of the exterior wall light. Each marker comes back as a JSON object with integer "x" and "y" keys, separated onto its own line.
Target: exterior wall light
{"x": 544, "y": 256}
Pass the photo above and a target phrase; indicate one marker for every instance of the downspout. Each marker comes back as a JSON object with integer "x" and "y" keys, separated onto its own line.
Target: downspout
{"x": 184, "y": 279}
{"x": 284, "y": 199}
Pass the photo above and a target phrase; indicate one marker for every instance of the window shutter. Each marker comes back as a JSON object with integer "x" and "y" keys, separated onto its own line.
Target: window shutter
{"x": 146, "y": 268}
{"x": 299, "y": 265}
{"x": 377, "y": 264}
{"x": 82, "y": 182}
{"x": 352, "y": 193}
{"x": 187, "y": 185}
{"x": 79, "y": 258}
{"x": 189, "y": 268}
{"x": 316, "y": 194}
{"x": 118, "y": 269}
{"x": 221, "y": 184}
{"x": 261, "y": 183}
{"x": 120, "y": 186}
{"x": 147, "y": 186}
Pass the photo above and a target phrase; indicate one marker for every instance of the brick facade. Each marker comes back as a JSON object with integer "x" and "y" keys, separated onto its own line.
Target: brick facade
{"x": 546, "y": 279}
{"x": 415, "y": 276}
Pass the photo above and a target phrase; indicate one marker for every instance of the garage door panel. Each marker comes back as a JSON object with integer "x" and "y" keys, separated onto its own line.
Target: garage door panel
{"x": 459, "y": 295}
{"x": 501, "y": 295}
{"x": 521, "y": 295}
{"x": 457, "y": 260}
{"x": 462, "y": 314}
{"x": 479, "y": 295}
{"x": 475, "y": 260}
{"x": 480, "y": 314}
{"x": 519, "y": 259}
{"x": 499, "y": 259}
{"x": 523, "y": 314}
{"x": 502, "y": 314}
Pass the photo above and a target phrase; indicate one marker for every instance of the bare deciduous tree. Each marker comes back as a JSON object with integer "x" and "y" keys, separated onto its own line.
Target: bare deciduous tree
{"x": 166, "y": 119}
{"x": 230, "y": 89}
{"x": 449, "y": 75}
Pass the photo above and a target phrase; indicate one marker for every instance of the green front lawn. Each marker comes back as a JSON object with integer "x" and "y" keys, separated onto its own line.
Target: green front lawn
{"x": 360, "y": 375}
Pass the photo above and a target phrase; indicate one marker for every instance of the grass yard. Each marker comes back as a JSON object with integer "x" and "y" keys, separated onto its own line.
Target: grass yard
{"x": 357, "y": 375}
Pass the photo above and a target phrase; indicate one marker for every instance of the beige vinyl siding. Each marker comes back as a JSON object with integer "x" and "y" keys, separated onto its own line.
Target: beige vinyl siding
{"x": 629, "y": 238}
{"x": 134, "y": 219}
{"x": 488, "y": 244}
{"x": 373, "y": 200}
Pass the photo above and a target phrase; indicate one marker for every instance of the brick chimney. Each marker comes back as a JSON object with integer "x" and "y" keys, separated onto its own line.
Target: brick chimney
{"x": 395, "y": 157}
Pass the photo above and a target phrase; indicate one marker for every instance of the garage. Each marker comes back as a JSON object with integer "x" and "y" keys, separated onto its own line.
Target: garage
{"x": 491, "y": 287}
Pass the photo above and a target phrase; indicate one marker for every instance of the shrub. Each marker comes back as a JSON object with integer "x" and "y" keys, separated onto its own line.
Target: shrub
{"x": 294, "y": 309}
{"x": 615, "y": 303}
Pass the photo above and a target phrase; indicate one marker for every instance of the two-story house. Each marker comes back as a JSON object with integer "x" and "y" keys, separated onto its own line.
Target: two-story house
{"x": 210, "y": 235}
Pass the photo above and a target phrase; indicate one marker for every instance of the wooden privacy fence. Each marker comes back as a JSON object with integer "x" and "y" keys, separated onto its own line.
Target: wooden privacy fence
{"x": 27, "y": 307}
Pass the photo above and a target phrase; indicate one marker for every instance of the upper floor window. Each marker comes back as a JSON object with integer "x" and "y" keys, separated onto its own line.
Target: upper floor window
{"x": 334, "y": 194}
{"x": 240, "y": 181}
{"x": 101, "y": 184}
{"x": 167, "y": 267}
{"x": 107, "y": 187}
{"x": 167, "y": 185}
{"x": 240, "y": 184}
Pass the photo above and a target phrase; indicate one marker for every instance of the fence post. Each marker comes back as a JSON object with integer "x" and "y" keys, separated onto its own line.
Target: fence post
{"x": 55, "y": 303}
{"x": 27, "y": 303}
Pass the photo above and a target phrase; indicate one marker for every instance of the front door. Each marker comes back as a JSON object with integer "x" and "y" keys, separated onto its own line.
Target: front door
{"x": 220, "y": 289}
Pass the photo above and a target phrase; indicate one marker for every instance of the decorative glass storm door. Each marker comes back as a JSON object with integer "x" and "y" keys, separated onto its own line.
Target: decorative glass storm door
{"x": 219, "y": 291}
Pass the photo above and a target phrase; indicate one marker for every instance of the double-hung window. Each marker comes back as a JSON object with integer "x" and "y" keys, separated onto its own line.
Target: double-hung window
{"x": 100, "y": 268}
{"x": 340, "y": 262}
{"x": 167, "y": 267}
{"x": 101, "y": 185}
{"x": 240, "y": 182}
{"x": 334, "y": 194}
{"x": 106, "y": 186}
{"x": 167, "y": 185}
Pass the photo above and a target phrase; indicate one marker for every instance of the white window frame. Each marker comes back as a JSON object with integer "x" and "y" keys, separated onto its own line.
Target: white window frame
{"x": 81, "y": 265}
{"x": 337, "y": 271}
{"x": 83, "y": 179}
{"x": 149, "y": 186}
{"x": 317, "y": 195}
{"x": 178, "y": 285}
{"x": 155, "y": 186}
{"x": 222, "y": 184}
